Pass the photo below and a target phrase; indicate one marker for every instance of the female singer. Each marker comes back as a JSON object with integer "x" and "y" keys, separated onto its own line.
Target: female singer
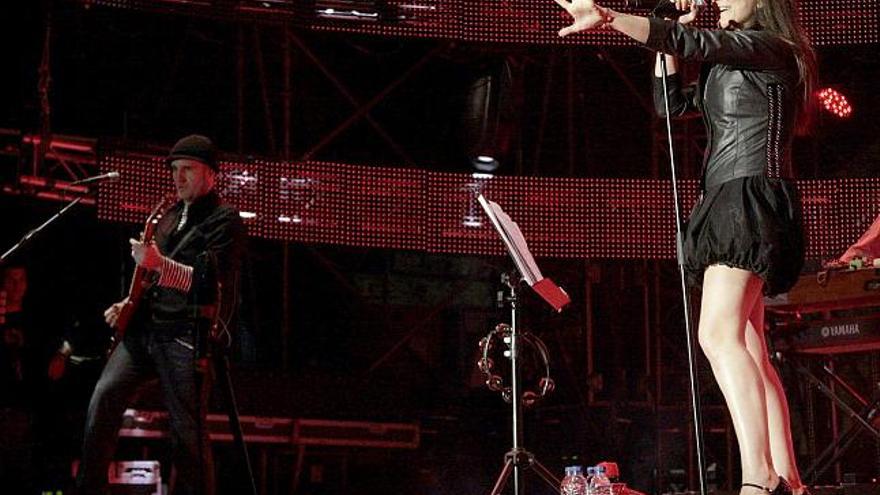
{"x": 744, "y": 238}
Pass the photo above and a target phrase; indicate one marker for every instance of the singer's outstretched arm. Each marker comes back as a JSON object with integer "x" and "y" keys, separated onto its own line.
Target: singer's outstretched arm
{"x": 587, "y": 15}
{"x": 755, "y": 49}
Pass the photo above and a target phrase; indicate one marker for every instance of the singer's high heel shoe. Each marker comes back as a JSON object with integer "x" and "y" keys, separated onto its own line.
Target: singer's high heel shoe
{"x": 782, "y": 487}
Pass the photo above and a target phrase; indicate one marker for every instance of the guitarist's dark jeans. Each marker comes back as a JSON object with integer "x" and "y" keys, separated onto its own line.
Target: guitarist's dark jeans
{"x": 136, "y": 360}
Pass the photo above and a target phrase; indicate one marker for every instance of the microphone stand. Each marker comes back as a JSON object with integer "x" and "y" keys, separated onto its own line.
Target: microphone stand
{"x": 679, "y": 250}
{"x": 31, "y": 233}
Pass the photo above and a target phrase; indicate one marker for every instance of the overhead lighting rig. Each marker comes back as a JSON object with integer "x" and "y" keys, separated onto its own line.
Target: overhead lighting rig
{"x": 50, "y": 171}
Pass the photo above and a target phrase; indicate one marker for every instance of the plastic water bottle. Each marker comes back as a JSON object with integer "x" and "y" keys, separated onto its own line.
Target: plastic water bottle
{"x": 599, "y": 483}
{"x": 574, "y": 482}
{"x": 591, "y": 471}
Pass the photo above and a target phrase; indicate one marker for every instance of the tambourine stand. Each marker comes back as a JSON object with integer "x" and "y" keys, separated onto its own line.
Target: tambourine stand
{"x": 518, "y": 459}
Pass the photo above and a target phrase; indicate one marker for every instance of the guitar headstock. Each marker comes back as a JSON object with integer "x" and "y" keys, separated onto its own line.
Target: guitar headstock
{"x": 156, "y": 214}
{"x": 166, "y": 202}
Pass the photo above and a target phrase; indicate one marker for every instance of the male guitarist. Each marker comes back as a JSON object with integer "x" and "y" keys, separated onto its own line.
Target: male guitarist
{"x": 195, "y": 256}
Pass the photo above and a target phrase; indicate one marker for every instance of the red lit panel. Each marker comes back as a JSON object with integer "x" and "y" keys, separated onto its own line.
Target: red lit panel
{"x": 549, "y": 211}
{"x": 386, "y": 207}
{"x": 820, "y": 215}
{"x": 554, "y": 218}
{"x": 455, "y": 219}
{"x": 239, "y": 183}
{"x": 306, "y": 202}
{"x": 417, "y": 18}
{"x": 637, "y": 217}
{"x": 143, "y": 181}
{"x": 402, "y": 208}
{"x": 858, "y": 203}
{"x": 828, "y": 22}
{"x": 841, "y": 22}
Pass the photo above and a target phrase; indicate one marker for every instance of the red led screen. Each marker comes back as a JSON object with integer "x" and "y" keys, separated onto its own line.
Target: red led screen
{"x": 402, "y": 208}
{"x": 828, "y": 22}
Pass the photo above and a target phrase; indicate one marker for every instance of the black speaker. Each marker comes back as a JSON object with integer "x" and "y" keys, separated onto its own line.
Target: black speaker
{"x": 490, "y": 118}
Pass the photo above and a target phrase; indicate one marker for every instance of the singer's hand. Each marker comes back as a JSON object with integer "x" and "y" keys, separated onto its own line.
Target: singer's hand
{"x": 689, "y": 6}
{"x": 585, "y": 15}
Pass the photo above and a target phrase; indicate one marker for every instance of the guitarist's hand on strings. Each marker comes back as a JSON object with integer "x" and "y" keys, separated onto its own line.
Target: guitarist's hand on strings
{"x": 146, "y": 255}
{"x": 112, "y": 313}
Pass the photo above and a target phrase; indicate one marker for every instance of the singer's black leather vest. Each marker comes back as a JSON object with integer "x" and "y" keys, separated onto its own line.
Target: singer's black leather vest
{"x": 747, "y": 93}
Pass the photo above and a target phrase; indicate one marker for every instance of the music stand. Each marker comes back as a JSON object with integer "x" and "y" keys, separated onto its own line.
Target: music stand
{"x": 518, "y": 458}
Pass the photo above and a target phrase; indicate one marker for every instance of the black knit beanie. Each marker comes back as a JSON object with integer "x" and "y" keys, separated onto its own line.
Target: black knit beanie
{"x": 194, "y": 147}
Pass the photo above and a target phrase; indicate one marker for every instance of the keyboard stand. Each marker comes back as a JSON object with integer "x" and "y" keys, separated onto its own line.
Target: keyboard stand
{"x": 864, "y": 418}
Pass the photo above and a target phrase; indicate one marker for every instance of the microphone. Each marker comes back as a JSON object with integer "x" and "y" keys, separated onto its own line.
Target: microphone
{"x": 97, "y": 178}
{"x": 661, "y": 8}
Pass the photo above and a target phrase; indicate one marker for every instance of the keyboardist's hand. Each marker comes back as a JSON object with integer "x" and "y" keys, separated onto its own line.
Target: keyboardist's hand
{"x": 851, "y": 254}
{"x": 851, "y": 262}
{"x": 835, "y": 264}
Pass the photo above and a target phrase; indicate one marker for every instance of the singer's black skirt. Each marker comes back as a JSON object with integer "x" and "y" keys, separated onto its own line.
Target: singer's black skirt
{"x": 753, "y": 223}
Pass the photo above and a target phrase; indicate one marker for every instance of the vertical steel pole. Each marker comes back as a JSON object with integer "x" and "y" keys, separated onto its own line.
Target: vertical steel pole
{"x": 285, "y": 134}
{"x": 239, "y": 89}
{"x": 570, "y": 115}
{"x": 514, "y": 387}
{"x": 45, "y": 78}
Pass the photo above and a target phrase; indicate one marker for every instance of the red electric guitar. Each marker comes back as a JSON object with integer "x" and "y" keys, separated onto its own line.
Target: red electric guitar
{"x": 140, "y": 279}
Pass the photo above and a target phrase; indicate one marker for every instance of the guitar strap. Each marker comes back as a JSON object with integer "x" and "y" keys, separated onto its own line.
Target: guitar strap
{"x": 189, "y": 236}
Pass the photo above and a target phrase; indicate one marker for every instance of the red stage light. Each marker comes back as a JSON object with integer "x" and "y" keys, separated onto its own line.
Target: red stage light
{"x": 835, "y": 102}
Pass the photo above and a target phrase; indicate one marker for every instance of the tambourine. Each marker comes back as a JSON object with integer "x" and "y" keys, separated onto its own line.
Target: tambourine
{"x": 495, "y": 382}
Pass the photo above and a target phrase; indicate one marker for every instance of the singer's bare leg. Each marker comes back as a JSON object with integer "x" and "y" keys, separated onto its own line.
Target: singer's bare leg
{"x": 729, "y": 296}
{"x": 778, "y": 419}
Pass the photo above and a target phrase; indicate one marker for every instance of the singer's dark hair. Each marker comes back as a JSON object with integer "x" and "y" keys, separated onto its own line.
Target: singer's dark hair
{"x": 781, "y": 17}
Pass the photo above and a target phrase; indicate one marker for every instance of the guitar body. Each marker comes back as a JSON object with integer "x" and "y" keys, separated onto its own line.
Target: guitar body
{"x": 140, "y": 279}
{"x": 139, "y": 284}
